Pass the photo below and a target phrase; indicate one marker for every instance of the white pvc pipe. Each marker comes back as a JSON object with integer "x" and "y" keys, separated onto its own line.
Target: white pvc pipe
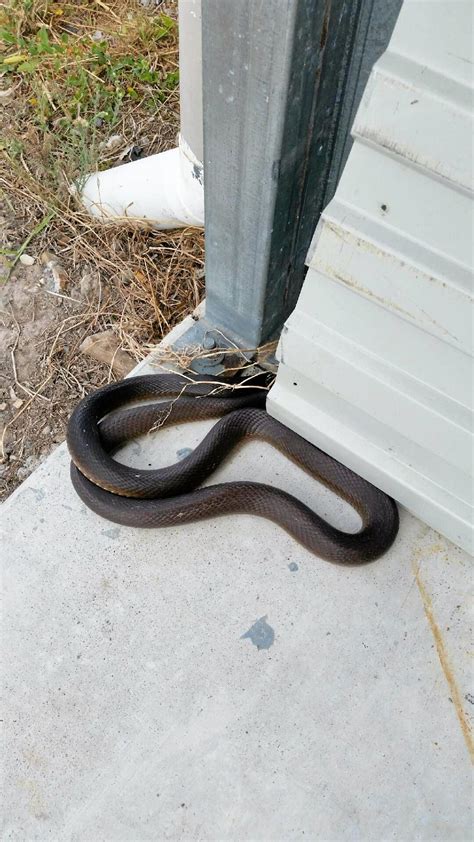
{"x": 165, "y": 190}
{"x": 190, "y": 75}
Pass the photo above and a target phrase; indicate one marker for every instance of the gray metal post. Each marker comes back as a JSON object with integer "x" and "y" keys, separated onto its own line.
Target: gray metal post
{"x": 277, "y": 113}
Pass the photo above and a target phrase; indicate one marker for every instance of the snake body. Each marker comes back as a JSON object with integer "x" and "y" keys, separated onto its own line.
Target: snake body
{"x": 171, "y": 496}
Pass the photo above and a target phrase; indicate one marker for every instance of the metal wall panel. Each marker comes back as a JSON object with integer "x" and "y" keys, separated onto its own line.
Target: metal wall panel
{"x": 376, "y": 360}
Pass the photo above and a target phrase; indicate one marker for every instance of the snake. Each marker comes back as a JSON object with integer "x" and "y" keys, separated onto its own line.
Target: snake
{"x": 107, "y": 418}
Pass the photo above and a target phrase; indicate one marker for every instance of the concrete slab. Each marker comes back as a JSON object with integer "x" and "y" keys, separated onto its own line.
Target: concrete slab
{"x": 218, "y": 682}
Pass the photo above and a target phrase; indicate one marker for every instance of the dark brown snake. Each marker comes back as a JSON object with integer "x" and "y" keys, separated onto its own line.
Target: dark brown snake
{"x": 170, "y": 496}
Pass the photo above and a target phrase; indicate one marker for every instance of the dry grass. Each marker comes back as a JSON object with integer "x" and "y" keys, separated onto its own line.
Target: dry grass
{"x": 245, "y": 362}
{"x": 55, "y": 124}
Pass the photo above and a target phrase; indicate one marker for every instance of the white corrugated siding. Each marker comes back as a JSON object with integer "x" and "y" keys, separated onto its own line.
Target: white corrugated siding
{"x": 376, "y": 360}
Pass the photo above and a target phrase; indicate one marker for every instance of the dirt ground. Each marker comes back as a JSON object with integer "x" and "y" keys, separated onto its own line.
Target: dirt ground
{"x": 64, "y": 277}
{"x": 35, "y": 397}
{"x": 43, "y": 374}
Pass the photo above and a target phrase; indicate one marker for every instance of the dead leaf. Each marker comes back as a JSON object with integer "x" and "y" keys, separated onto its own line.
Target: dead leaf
{"x": 105, "y": 347}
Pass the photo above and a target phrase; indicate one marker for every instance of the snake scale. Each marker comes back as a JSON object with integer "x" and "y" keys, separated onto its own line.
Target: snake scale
{"x": 171, "y": 496}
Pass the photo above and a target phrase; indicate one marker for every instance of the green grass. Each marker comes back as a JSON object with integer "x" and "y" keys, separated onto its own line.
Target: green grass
{"x": 76, "y": 86}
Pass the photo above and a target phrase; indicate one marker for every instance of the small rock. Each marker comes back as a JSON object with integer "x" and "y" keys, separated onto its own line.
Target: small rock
{"x": 98, "y": 35}
{"x": 46, "y": 431}
{"x": 105, "y": 347}
{"x": 113, "y": 142}
{"x": 59, "y": 276}
{"x": 90, "y": 286}
{"x": 27, "y": 259}
{"x": 3, "y": 407}
{"x": 28, "y": 467}
{"x": 55, "y": 275}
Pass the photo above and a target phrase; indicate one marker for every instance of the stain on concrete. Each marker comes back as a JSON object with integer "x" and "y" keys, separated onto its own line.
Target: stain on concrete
{"x": 183, "y": 452}
{"x": 112, "y": 533}
{"x": 135, "y": 448}
{"x": 293, "y": 567}
{"x": 35, "y": 797}
{"x": 261, "y": 634}
{"x": 37, "y": 493}
{"x": 34, "y": 495}
{"x": 444, "y": 661}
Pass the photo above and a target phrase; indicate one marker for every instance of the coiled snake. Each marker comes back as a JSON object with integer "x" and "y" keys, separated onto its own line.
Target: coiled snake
{"x": 171, "y": 496}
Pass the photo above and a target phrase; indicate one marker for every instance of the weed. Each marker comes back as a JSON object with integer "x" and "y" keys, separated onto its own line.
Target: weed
{"x": 74, "y": 74}
{"x": 78, "y": 82}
